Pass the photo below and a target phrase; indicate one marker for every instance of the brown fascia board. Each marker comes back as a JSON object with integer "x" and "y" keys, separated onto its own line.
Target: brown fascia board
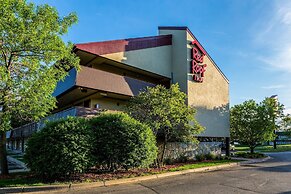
{"x": 109, "y": 82}
{"x": 114, "y": 46}
{"x": 191, "y": 34}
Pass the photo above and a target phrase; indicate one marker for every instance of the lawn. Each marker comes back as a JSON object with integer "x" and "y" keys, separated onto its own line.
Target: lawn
{"x": 19, "y": 180}
{"x": 27, "y": 179}
{"x": 265, "y": 148}
{"x": 200, "y": 165}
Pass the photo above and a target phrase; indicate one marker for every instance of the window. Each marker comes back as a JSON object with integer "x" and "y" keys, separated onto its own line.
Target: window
{"x": 87, "y": 103}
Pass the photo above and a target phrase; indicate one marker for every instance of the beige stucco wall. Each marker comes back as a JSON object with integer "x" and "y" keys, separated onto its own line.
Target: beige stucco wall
{"x": 108, "y": 103}
{"x": 104, "y": 102}
{"x": 210, "y": 98}
{"x": 178, "y": 57}
{"x": 157, "y": 60}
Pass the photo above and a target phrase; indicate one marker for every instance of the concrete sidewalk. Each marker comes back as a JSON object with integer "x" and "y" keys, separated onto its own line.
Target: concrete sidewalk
{"x": 74, "y": 187}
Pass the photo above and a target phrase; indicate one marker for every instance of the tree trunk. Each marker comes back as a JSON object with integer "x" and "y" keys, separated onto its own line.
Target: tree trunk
{"x": 227, "y": 146}
{"x": 3, "y": 154}
{"x": 252, "y": 149}
{"x": 163, "y": 152}
{"x": 274, "y": 142}
{"x": 161, "y": 144}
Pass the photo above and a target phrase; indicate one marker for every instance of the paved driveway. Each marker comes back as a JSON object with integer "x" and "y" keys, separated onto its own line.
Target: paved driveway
{"x": 272, "y": 176}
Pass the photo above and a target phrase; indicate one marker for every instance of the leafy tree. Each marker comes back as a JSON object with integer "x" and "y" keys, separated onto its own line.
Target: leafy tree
{"x": 253, "y": 123}
{"x": 33, "y": 58}
{"x": 168, "y": 115}
{"x": 273, "y": 111}
{"x": 286, "y": 123}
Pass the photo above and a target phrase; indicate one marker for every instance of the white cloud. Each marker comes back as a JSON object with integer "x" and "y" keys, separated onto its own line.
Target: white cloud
{"x": 287, "y": 111}
{"x": 280, "y": 59}
{"x": 285, "y": 14}
{"x": 279, "y": 86}
{"x": 274, "y": 37}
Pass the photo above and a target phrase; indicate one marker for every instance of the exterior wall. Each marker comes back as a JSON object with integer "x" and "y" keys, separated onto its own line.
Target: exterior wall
{"x": 156, "y": 60}
{"x": 103, "y": 102}
{"x": 108, "y": 103}
{"x": 124, "y": 72}
{"x": 178, "y": 57}
{"x": 210, "y": 98}
{"x": 174, "y": 150}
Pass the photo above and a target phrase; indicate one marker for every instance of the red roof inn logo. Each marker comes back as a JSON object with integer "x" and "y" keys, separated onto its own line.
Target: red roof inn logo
{"x": 197, "y": 66}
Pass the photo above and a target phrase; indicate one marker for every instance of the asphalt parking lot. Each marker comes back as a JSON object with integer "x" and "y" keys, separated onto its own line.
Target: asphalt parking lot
{"x": 272, "y": 176}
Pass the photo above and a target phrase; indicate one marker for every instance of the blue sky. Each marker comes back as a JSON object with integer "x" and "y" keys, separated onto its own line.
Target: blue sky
{"x": 250, "y": 40}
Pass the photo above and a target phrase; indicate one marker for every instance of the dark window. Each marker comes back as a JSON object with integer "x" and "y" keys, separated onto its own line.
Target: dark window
{"x": 79, "y": 104}
{"x": 87, "y": 103}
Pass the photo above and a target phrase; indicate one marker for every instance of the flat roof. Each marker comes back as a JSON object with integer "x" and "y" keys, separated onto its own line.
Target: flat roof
{"x": 130, "y": 44}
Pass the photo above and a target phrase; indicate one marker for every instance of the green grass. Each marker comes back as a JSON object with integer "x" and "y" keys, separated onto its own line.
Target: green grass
{"x": 202, "y": 164}
{"x": 280, "y": 148}
{"x": 19, "y": 180}
{"x": 24, "y": 179}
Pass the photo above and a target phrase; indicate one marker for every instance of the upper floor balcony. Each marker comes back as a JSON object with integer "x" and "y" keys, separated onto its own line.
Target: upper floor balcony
{"x": 28, "y": 129}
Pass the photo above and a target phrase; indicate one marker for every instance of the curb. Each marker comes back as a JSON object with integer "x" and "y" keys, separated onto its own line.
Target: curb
{"x": 72, "y": 187}
{"x": 253, "y": 161}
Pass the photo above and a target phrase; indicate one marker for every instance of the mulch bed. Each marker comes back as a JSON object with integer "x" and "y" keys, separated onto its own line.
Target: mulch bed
{"x": 17, "y": 175}
{"x": 94, "y": 176}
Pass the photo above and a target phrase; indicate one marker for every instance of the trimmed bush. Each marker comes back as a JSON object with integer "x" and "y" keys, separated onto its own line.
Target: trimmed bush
{"x": 122, "y": 142}
{"x": 210, "y": 156}
{"x": 169, "y": 161}
{"x": 200, "y": 157}
{"x": 60, "y": 149}
{"x": 182, "y": 159}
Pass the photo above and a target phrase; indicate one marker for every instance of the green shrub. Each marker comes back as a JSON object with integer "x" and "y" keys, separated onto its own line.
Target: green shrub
{"x": 200, "y": 157}
{"x": 169, "y": 161}
{"x": 210, "y": 156}
{"x": 182, "y": 158}
{"x": 60, "y": 149}
{"x": 121, "y": 141}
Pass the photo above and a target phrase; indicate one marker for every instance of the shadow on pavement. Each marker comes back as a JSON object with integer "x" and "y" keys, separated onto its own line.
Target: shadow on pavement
{"x": 282, "y": 168}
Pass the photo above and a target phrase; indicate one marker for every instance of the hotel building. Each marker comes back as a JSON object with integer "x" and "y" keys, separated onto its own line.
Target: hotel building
{"x": 114, "y": 71}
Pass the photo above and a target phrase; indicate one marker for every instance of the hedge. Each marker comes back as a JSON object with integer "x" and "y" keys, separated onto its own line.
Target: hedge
{"x": 73, "y": 145}
{"x": 122, "y": 142}
{"x": 60, "y": 149}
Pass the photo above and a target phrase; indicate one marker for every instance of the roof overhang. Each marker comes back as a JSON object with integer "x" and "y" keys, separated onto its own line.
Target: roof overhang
{"x": 87, "y": 58}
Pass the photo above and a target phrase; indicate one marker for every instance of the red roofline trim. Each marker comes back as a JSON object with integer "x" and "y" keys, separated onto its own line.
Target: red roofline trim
{"x": 114, "y": 46}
